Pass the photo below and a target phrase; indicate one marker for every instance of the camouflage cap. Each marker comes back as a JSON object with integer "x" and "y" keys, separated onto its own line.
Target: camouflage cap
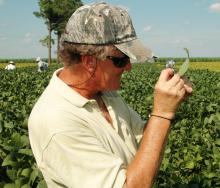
{"x": 102, "y": 23}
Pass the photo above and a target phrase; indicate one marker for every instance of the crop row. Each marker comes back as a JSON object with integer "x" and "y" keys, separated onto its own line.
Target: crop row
{"x": 192, "y": 154}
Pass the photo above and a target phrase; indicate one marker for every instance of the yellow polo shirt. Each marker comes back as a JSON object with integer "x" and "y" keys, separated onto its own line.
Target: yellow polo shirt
{"x": 75, "y": 146}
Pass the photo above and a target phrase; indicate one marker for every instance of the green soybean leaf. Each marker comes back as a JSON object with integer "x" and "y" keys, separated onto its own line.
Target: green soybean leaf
{"x": 11, "y": 174}
{"x": 18, "y": 183}
{"x": 217, "y": 142}
{"x": 25, "y": 151}
{"x": 26, "y": 186}
{"x": 33, "y": 175}
{"x": 26, "y": 172}
{"x": 8, "y": 161}
{"x": 184, "y": 67}
{"x": 212, "y": 175}
{"x": 190, "y": 165}
{"x": 187, "y": 51}
{"x": 9, "y": 185}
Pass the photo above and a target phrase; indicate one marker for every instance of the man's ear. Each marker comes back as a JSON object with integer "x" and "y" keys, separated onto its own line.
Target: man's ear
{"x": 89, "y": 62}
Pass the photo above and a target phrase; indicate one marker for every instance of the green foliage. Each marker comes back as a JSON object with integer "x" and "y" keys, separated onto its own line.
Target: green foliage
{"x": 55, "y": 14}
{"x": 19, "y": 91}
{"x": 184, "y": 67}
{"x": 192, "y": 155}
{"x": 45, "y": 41}
{"x": 64, "y": 9}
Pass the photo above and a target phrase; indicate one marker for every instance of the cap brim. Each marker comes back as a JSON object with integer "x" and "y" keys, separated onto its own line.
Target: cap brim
{"x": 135, "y": 50}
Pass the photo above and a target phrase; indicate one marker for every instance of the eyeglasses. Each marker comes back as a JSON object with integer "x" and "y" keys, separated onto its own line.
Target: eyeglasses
{"x": 119, "y": 62}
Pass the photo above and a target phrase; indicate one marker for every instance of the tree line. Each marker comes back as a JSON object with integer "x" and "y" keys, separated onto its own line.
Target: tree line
{"x": 192, "y": 59}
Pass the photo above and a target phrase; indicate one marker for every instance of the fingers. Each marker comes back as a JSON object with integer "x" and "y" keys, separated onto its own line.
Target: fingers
{"x": 169, "y": 92}
{"x": 180, "y": 84}
{"x": 188, "y": 88}
{"x": 166, "y": 74}
{"x": 183, "y": 88}
{"x": 170, "y": 82}
{"x": 174, "y": 80}
{"x": 181, "y": 93}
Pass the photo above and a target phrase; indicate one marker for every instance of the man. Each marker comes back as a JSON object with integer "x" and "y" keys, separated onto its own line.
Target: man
{"x": 10, "y": 66}
{"x": 42, "y": 65}
{"x": 81, "y": 131}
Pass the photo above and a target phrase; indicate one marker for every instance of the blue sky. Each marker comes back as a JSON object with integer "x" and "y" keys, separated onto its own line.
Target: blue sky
{"x": 166, "y": 26}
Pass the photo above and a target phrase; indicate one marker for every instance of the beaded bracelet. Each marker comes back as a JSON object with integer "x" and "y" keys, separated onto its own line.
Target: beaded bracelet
{"x": 160, "y": 117}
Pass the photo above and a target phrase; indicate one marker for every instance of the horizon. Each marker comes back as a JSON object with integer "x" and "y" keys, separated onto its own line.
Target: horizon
{"x": 54, "y": 58}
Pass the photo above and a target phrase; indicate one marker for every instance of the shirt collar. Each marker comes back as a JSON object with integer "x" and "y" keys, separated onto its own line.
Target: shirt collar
{"x": 65, "y": 91}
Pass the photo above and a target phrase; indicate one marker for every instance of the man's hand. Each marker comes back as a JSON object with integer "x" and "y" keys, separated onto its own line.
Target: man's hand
{"x": 170, "y": 91}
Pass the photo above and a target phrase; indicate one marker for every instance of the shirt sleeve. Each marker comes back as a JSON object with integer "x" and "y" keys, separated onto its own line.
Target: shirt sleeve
{"x": 78, "y": 159}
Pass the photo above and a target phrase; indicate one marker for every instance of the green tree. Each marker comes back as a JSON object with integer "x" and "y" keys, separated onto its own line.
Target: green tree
{"x": 45, "y": 41}
{"x": 46, "y": 12}
{"x": 55, "y": 14}
{"x": 63, "y": 9}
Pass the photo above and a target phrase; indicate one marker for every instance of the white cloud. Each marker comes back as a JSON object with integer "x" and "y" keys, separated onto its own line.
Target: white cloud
{"x": 215, "y": 7}
{"x": 147, "y": 28}
{"x": 180, "y": 41}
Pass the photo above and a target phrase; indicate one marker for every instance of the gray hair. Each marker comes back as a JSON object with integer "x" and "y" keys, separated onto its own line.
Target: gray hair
{"x": 70, "y": 53}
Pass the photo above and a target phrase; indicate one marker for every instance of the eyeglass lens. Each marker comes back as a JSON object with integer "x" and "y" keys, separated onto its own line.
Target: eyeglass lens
{"x": 119, "y": 62}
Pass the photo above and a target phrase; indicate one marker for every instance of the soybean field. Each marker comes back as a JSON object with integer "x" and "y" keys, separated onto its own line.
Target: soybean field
{"x": 192, "y": 154}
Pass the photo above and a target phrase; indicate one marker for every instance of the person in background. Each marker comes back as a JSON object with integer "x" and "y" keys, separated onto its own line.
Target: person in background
{"x": 42, "y": 65}
{"x": 82, "y": 133}
{"x": 10, "y": 66}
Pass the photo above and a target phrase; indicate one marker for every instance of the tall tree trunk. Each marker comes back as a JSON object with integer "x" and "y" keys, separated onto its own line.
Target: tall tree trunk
{"x": 49, "y": 43}
{"x": 58, "y": 47}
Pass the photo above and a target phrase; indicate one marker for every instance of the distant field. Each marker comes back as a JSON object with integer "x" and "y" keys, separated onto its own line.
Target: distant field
{"x": 212, "y": 66}
{"x": 19, "y": 65}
